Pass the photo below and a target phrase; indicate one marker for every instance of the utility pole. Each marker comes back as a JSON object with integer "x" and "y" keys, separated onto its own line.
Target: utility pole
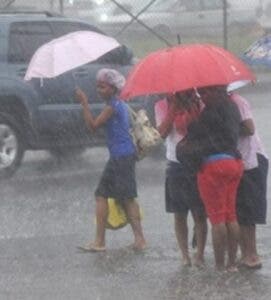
{"x": 225, "y": 23}
{"x": 61, "y": 6}
{"x": 52, "y": 5}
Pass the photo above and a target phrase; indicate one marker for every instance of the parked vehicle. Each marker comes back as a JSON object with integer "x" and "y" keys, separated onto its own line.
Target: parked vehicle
{"x": 45, "y": 115}
{"x": 175, "y": 16}
{"x": 265, "y": 16}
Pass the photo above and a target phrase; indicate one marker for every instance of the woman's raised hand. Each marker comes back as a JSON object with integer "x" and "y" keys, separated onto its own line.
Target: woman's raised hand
{"x": 81, "y": 96}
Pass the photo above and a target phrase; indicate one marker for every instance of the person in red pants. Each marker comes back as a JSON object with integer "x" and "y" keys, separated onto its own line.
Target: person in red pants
{"x": 213, "y": 138}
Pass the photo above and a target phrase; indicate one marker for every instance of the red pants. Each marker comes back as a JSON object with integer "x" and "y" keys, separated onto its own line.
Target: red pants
{"x": 218, "y": 182}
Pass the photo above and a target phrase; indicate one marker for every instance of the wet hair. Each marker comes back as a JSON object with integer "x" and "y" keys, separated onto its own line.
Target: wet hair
{"x": 111, "y": 77}
{"x": 215, "y": 92}
{"x": 187, "y": 99}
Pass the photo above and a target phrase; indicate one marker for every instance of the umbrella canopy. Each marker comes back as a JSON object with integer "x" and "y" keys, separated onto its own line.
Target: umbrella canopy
{"x": 259, "y": 53}
{"x": 183, "y": 67}
{"x": 68, "y": 52}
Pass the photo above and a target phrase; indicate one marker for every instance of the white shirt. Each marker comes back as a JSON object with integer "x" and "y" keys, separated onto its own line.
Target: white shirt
{"x": 248, "y": 146}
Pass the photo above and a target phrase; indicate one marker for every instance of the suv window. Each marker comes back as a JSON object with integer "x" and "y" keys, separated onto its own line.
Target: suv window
{"x": 62, "y": 28}
{"x": 25, "y": 38}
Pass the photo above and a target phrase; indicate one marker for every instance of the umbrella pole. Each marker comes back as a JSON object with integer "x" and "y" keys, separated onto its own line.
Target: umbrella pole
{"x": 178, "y": 39}
{"x": 75, "y": 81}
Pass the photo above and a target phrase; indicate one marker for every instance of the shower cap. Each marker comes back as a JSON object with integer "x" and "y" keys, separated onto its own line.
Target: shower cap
{"x": 112, "y": 77}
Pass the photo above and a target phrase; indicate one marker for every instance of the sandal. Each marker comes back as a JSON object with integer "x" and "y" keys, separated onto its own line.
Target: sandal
{"x": 91, "y": 248}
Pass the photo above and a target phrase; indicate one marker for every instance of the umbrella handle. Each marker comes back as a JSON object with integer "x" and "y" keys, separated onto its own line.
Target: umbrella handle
{"x": 76, "y": 86}
{"x": 179, "y": 39}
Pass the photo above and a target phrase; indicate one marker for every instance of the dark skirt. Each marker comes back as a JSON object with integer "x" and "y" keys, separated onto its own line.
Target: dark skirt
{"x": 251, "y": 197}
{"x": 181, "y": 191}
{"x": 118, "y": 180}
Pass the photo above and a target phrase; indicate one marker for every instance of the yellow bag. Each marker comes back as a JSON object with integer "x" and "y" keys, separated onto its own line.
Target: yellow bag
{"x": 116, "y": 215}
{"x": 116, "y": 218}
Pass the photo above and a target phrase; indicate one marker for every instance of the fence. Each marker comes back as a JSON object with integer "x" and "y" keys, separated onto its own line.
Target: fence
{"x": 145, "y": 25}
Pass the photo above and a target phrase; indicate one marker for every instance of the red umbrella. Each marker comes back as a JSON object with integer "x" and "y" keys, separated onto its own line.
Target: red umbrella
{"x": 183, "y": 67}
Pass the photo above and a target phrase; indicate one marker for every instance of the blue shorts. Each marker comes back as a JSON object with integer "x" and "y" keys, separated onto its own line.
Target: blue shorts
{"x": 251, "y": 196}
{"x": 181, "y": 191}
{"x": 118, "y": 180}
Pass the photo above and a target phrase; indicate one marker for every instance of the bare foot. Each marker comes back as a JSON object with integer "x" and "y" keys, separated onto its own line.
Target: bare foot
{"x": 138, "y": 246}
{"x": 198, "y": 262}
{"x": 232, "y": 269}
{"x": 186, "y": 262}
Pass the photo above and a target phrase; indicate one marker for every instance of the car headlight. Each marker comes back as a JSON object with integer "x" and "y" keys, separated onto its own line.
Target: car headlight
{"x": 103, "y": 17}
{"x": 99, "y": 2}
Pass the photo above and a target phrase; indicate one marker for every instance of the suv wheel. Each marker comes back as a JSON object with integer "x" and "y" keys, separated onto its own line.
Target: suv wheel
{"x": 11, "y": 147}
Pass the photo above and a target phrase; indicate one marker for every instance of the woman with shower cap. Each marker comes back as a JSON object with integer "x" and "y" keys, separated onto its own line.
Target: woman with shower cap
{"x": 118, "y": 179}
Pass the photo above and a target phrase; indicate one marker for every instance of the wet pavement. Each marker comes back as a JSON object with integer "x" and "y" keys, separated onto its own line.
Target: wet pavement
{"x": 47, "y": 210}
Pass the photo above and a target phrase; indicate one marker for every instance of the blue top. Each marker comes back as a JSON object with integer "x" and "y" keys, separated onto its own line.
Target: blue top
{"x": 119, "y": 140}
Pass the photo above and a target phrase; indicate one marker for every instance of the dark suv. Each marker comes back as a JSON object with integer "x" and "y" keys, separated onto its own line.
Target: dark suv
{"x": 35, "y": 115}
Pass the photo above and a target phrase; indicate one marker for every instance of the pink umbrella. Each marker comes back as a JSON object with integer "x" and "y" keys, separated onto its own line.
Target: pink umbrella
{"x": 68, "y": 52}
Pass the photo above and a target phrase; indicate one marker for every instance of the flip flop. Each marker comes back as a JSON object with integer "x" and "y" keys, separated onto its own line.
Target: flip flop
{"x": 91, "y": 248}
{"x": 256, "y": 266}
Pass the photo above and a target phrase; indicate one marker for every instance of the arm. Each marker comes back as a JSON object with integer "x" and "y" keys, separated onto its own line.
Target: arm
{"x": 166, "y": 126}
{"x": 247, "y": 128}
{"x": 92, "y": 122}
{"x": 165, "y": 118}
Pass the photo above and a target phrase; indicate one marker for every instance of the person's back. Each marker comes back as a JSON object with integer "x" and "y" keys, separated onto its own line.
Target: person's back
{"x": 217, "y": 129}
{"x": 221, "y": 169}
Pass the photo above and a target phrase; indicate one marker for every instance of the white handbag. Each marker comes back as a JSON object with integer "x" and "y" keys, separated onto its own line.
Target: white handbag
{"x": 144, "y": 135}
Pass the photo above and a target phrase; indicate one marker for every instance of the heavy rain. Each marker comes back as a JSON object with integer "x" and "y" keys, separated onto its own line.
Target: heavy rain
{"x": 50, "y": 165}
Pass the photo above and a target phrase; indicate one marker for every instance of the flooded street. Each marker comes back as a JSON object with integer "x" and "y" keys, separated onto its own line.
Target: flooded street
{"x": 47, "y": 210}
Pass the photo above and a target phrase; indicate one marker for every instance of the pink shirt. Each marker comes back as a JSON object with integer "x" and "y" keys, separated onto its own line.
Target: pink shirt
{"x": 248, "y": 146}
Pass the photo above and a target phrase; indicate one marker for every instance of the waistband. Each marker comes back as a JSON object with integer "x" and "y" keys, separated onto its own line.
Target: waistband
{"x": 219, "y": 156}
